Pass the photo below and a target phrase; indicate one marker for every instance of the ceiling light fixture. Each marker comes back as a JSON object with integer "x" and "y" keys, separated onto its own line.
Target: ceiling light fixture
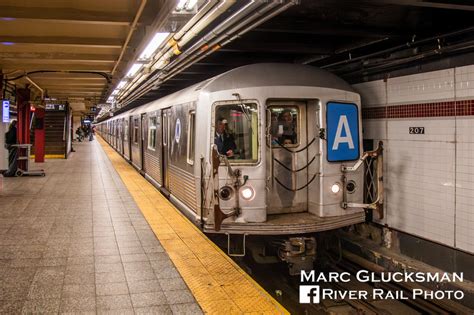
{"x": 134, "y": 69}
{"x": 153, "y": 45}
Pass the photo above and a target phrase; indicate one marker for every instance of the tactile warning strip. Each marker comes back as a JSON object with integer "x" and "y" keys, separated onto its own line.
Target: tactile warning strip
{"x": 218, "y": 284}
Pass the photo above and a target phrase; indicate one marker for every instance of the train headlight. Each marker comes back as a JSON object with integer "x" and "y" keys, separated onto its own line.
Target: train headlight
{"x": 335, "y": 188}
{"x": 247, "y": 192}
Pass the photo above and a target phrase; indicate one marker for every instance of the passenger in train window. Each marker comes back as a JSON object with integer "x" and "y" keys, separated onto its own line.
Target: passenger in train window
{"x": 284, "y": 129}
{"x": 224, "y": 140}
{"x": 289, "y": 129}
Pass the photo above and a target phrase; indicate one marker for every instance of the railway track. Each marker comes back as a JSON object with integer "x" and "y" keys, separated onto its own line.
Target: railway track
{"x": 285, "y": 289}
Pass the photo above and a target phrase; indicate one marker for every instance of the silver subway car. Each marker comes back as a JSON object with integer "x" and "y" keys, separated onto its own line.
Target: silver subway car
{"x": 264, "y": 149}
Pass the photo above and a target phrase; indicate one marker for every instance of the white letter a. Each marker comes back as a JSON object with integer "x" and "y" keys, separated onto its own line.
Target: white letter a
{"x": 343, "y": 123}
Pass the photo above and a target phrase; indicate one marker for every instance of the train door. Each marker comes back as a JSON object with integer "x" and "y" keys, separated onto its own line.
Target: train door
{"x": 122, "y": 135}
{"x": 143, "y": 134}
{"x": 130, "y": 137}
{"x": 165, "y": 117}
{"x": 287, "y": 157}
{"x": 126, "y": 139}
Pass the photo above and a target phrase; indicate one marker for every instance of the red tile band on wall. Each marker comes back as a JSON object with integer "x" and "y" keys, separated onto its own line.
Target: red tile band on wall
{"x": 438, "y": 109}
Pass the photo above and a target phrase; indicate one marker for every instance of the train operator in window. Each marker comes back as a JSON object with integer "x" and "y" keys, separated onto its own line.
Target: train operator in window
{"x": 224, "y": 140}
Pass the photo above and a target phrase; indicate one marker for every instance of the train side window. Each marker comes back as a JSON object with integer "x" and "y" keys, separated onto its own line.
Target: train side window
{"x": 284, "y": 126}
{"x": 125, "y": 132}
{"x": 191, "y": 136}
{"x": 152, "y": 133}
{"x": 135, "y": 131}
{"x": 236, "y": 131}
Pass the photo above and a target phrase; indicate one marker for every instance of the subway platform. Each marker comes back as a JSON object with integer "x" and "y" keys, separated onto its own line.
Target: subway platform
{"x": 93, "y": 236}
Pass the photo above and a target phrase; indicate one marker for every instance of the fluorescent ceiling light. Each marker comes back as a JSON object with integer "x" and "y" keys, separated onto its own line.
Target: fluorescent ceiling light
{"x": 115, "y": 92}
{"x": 191, "y": 4}
{"x": 134, "y": 69}
{"x": 188, "y": 4}
{"x": 153, "y": 45}
{"x": 121, "y": 84}
{"x": 181, "y": 5}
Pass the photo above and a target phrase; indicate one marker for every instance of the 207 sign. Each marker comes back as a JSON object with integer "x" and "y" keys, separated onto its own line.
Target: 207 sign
{"x": 416, "y": 130}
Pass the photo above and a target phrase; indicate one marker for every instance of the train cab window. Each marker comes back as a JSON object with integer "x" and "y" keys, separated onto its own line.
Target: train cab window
{"x": 191, "y": 136}
{"x": 236, "y": 131}
{"x": 135, "y": 131}
{"x": 152, "y": 133}
{"x": 284, "y": 126}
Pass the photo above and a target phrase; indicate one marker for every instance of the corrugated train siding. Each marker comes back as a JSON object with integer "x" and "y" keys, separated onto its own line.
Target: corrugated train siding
{"x": 153, "y": 166}
{"x": 136, "y": 155}
{"x": 182, "y": 185}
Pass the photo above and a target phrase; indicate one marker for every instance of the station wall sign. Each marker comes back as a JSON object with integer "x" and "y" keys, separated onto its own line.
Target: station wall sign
{"x": 6, "y": 111}
{"x": 56, "y": 107}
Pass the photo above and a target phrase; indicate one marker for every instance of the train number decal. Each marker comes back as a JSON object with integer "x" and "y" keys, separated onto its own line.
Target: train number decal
{"x": 342, "y": 132}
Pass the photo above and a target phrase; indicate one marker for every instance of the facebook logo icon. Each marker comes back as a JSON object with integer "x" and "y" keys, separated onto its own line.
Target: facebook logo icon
{"x": 309, "y": 294}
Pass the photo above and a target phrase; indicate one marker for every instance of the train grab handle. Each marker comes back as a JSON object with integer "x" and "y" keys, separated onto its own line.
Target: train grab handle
{"x": 368, "y": 158}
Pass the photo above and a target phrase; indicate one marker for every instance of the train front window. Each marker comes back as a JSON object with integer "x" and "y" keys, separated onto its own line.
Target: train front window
{"x": 236, "y": 131}
{"x": 284, "y": 126}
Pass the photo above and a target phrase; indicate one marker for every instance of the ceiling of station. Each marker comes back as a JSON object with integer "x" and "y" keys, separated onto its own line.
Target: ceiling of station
{"x": 356, "y": 39}
{"x": 75, "y": 49}
{"x": 71, "y": 49}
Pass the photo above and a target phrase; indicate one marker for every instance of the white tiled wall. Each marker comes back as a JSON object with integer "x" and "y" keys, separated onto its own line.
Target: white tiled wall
{"x": 421, "y": 88}
{"x": 465, "y": 82}
{"x": 429, "y": 179}
{"x": 374, "y": 92}
{"x": 465, "y": 183}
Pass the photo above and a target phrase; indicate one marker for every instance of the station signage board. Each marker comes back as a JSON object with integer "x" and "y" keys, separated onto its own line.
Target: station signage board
{"x": 342, "y": 132}
{"x": 58, "y": 107}
{"x": 6, "y": 111}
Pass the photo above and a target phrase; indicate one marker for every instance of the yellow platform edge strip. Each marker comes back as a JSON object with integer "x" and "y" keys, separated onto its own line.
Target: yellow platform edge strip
{"x": 219, "y": 285}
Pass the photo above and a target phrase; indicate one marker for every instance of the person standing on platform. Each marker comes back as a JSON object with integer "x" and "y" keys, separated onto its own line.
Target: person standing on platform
{"x": 91, "y": 134}
{"x": 10, "y": 141}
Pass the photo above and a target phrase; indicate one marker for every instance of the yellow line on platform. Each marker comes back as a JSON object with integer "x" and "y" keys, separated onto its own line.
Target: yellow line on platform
{"x": 219, "y": 285}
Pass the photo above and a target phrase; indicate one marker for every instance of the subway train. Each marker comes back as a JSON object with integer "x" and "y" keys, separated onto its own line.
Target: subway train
{"x": 264, "y": 149}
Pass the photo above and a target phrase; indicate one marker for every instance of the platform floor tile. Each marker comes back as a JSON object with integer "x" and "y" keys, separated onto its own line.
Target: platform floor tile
{"x": 219, "y": 285}
{"x": 75, "y": 241}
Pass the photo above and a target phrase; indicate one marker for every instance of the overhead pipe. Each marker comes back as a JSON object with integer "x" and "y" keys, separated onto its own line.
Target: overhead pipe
{"x": 189, "y": 28}
{"x": 223, "y": 27}
{"x": 392, "y": 49}
{"x": 130, "y": 33}
{"x": 215, "y": 38}
{"x": 261, "y": 16}
{"x": 401, "y": 61}
{"x": 184, "y": 38}
{"x": 36, "y": 86}
{"x": 238, "y": 16}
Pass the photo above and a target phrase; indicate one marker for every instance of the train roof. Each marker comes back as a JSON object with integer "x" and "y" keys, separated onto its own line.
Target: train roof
{"x": 254, "y": 75}
{"x": 276, "y": 74}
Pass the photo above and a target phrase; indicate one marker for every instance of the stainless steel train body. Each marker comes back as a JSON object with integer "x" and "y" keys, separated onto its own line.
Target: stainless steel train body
{"x": 270, "y": 185}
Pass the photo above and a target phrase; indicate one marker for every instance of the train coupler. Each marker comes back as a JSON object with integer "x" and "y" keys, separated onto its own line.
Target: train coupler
{"x": 299, "y": 253}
